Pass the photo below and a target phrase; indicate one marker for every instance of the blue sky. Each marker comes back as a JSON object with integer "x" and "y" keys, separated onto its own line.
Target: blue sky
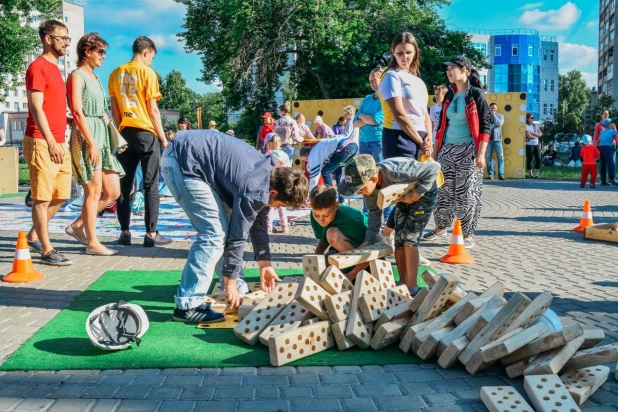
{"x": 574, "y": 23}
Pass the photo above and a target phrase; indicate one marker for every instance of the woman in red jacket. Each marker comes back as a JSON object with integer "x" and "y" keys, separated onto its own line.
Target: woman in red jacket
{"x": 461, "y": 141}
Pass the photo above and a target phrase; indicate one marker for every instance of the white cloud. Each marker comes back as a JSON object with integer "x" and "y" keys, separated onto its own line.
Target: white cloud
{"x": 168, "y": 42}
{"x": 592, "y": 24}
{"x": 590, "y": 78}
{"x": 575, "y": 56}
{"x": 560, "y": 19}
{"x": 530, "y": 6}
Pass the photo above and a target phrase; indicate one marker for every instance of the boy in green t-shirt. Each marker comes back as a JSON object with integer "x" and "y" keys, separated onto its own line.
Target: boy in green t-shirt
{"x": 338, "y": 227}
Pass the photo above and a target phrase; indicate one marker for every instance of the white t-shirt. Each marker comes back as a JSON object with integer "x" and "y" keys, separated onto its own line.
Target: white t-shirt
{"x": 434, "y": 114}
{"x": 532, "y": 128}
{"x": 413, "y": 93}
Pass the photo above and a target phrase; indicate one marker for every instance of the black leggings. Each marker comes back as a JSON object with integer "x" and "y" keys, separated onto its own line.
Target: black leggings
{"x": 533, "y": 151}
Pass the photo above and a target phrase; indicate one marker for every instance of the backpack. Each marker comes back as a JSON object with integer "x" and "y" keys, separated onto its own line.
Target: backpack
{"x": 116, "y": 326}
{"x": 285, "y": 129}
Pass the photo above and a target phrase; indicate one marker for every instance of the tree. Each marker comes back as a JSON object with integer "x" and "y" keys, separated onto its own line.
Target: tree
{"x": 573, "y": 98}
{"x": 605, "y": 102}
{"x": 328, "y": 47}
{"x": 18, "y": 40}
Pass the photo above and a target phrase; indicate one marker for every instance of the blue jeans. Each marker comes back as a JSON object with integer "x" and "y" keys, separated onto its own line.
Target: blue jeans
{"x": 336, "y": 162}
{"x": 374, "y": 149}
{"x": 608, "y": 163}
{"x": 209, "y": 216}
{"x": 497, "y": 146}
{"x": 289, "y": 150}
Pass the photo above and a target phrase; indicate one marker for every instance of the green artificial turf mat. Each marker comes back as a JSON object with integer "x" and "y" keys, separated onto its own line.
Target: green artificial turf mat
{"x": 5, "y": 195}
{"x": 64, "y": 344}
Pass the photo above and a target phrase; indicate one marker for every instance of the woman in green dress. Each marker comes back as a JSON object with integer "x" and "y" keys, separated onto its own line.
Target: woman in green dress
{"x": 94, "y": 165}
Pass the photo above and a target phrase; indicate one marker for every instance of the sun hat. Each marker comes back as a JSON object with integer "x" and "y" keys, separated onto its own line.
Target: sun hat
{"x": 607, "y": 122}
{"x": 267, "y": 115}
{"x": 212, "y": 123}
{"x": 586, "y": 139}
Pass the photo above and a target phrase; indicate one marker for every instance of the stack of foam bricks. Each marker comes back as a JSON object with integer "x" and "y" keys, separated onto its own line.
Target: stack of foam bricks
{"x": 324, "y": 310}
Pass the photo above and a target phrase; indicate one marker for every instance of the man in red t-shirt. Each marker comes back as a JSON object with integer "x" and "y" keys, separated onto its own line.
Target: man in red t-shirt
{"x": 45, "y": 149}
{"x": 598, "y": 128}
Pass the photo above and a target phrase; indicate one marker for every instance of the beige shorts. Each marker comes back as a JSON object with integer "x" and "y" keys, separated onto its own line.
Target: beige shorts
{"x": 48, "y": 180}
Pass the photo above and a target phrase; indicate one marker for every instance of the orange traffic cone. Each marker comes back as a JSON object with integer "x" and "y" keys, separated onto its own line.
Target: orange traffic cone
{"x": 457, "y": 251}
{"x": 586, "y": 219}
{"x": 23, "y": 269}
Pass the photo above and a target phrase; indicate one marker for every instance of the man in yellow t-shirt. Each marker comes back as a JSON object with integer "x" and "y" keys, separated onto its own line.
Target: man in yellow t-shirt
{"x": 134, "y": 91}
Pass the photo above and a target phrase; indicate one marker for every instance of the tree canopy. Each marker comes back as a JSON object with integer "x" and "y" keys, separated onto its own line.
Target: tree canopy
{"x": 18, "y": 40}
{"x": 328, "y": 47}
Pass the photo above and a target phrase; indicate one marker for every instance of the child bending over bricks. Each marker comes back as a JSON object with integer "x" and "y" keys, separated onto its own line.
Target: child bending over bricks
{"x": 338, "y": 228}
{"x": 364, "y": 177}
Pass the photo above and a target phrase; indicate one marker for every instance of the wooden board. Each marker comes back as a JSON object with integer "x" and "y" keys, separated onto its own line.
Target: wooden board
{"x": 548, "y": 341}
{"x": 497, "y": 350}
{"x": 504, "y": 398}
{"x": 582, "y": 383}
{"x": 247, "y": 306}
{"x": 430, "y": 344}
{"x": 436, "y": 299}
{"x": 548, "y": 394}
{"x": 291, "y": 317}
{"x": 312, "y": 321}
{"x": 554, "y": 360}
{"x": 469, "y": 308}
{"x": 419, "y": 299}
{"x": 394, "y": 313}
{"x": 333, "y": 281}
{"x": 388, "y": 333}
{"x": 517, "y": 369}
{"x": 373, "y": 305}
{"x": 410, "y": 333}
{"x": 314, "y": 266}
{"x": 230, "y": 322}
{"x": 497, "y": 289}
{"x": 602, "y": 232}
{"x": 338, "y": 306}
{"x": 360, "y": 255}
{"x": 9, "y": 169}
{"x": 481, "y": 322}
{"x": 357, "y": 330}
{"x": 443, "y": 320}
{"x": 599, "y": 355}
{"x": 311, "y": 295}
{"x": 338, "y": 330}
{"x": 463, "y": 328}
{"x": 264, "y": 313}
{"x": 299, "y": 343}
{"x": 497, "y": 326}
{"x": 393, "y": 194}
{"x": 449, "y": 355}
{"x": 532, "y": 312}
{"x": 431, "y": 279}
{"x": 592, "y": 336}
{"x": 383, "y": 271}
{"x": 477, "y": 363}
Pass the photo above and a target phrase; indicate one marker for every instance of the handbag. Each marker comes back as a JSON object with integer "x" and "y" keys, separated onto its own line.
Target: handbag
{"x": 440, "y": 178}
{"x": 117, "y": 143}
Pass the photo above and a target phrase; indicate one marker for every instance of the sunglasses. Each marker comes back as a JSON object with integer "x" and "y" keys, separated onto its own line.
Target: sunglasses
{"x": 101, "y": 52}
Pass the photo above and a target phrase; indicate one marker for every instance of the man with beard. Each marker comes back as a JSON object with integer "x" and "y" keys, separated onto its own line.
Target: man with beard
{"x": 45, "y": 148}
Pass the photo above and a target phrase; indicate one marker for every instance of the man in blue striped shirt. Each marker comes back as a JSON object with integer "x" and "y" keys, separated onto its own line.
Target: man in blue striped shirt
{"x": 226, "y": 188}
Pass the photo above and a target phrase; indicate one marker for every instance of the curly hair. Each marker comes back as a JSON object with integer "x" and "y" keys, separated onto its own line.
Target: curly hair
{"x": 88, "y": 42}
{"x": 291, "y": 184}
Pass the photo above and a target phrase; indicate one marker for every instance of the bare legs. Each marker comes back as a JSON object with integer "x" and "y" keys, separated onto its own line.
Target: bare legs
{"x": 407, "y": 258}
{"x": 42, "y": 212}
{"x": 100, "y": 191}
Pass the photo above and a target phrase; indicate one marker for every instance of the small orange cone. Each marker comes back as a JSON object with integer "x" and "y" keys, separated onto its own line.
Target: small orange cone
{"x": 457, "y": 251}
{"x": 586, "y": 219}
{"x": 23, "y": 269}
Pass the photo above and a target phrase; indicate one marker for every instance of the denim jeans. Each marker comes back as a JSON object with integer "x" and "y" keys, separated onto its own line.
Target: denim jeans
{"x": 608, "y": 163}
{"x": 336, "y": 162}
{"x": 374, "y": 149}
{"x": 209, "y": 216}
{"x": 497, "y": 146}
{"x": 289, "y": 150}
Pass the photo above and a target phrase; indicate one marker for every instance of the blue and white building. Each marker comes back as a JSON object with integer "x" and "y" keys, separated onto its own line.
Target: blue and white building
{"x": 522, "y": 61}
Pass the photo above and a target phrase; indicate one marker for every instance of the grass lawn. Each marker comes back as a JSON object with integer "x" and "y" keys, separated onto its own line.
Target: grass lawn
{"x": 571, "y": 174}
{"x": 24, "y": 177}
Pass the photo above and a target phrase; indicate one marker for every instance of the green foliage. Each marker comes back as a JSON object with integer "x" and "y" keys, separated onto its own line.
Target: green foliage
{"x": 606, "y": 102}
{"x": 177, "y": 96}
{"x": 17, "y": 40}
{"x": 328, "y": 47}
{"x": 568, "y": 121}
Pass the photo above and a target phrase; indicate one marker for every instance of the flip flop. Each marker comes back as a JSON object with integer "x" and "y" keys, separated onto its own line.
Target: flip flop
{"x": 69, "y": 231}
{"x": 108, "y": 252}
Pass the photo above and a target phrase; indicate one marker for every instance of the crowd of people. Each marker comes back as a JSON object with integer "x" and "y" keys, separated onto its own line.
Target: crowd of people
{"x": 230, "y": 191}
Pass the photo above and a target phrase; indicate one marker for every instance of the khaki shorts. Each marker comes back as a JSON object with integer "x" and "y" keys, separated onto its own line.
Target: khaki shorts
{"x": 48, "y": 180}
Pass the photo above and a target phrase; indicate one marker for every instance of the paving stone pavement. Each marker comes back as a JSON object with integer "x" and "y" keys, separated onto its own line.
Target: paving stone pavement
{"x": 524, "y": 239}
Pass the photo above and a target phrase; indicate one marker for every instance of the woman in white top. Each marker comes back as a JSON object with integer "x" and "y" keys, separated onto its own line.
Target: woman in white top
{"x": 349, "y": 130}
{"x": 407, "y": 125}
{"x": 303, "y": 129}
{"x": 533, "y": 150}
{"x": 287, "y": 129}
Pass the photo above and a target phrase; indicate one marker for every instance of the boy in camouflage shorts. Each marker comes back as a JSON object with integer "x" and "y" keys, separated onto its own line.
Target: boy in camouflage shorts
{"x": 364, "y": 177}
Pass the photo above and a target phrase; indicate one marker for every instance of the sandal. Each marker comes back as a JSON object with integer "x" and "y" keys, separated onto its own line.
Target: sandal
{"x": 69, "y": 231}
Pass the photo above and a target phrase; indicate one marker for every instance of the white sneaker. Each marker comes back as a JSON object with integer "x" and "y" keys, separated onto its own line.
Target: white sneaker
{"x": 423, "y": 261}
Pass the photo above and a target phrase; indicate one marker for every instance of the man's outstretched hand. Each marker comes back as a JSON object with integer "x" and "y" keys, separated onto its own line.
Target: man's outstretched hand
{"x": 268, "y": 278}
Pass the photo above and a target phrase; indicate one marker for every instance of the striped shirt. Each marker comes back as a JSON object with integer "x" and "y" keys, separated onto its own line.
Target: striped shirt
{"x": 319, "y": 155}
{"x": 240, "y": 175}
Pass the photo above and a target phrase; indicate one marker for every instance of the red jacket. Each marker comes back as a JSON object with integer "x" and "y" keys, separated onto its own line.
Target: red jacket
{"x": 266, "y": 128}
{"x": 477, "y": 114}
{"x": 589, "y": 154}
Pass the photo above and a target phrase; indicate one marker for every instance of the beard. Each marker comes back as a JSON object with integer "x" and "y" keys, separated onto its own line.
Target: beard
{"x": 60, "y": 51}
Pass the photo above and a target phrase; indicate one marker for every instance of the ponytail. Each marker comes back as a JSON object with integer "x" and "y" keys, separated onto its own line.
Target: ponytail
{"x": 473, "y": 78}
{"x": 286, "y": 108}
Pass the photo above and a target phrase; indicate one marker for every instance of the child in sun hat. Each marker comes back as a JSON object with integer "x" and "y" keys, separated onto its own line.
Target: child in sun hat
{"x": 272, "y": 145}
{"x": 589, "y": 154}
